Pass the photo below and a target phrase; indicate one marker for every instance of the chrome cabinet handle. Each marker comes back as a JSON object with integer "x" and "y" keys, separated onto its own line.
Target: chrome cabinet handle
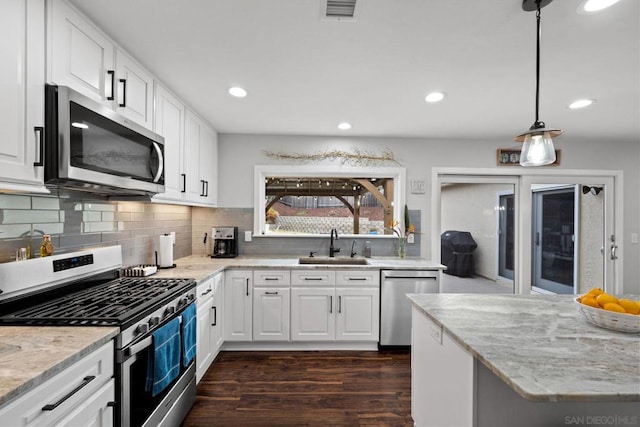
{"x": 330, "y": 304}
{"x": 85, "y": 381}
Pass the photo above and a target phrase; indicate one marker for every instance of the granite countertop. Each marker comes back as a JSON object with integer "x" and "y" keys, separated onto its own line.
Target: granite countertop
{"x": 202, "y": 267}
{"x": 30, "y": 355}
{"x": 540, "y": 345}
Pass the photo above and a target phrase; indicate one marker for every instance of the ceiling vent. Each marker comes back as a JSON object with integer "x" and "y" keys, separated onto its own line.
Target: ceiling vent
{"x": 340, "y": 9}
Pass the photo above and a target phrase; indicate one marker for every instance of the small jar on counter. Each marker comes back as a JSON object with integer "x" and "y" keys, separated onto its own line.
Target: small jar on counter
{"x": 367, "y": 249}
{"x": 46, "y": 248}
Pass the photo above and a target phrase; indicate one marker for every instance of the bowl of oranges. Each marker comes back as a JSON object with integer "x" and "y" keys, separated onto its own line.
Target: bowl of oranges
{"x": 610, "y": 312}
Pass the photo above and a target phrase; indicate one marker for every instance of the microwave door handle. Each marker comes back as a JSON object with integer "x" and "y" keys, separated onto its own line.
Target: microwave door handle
{"x": 160, "y": 163}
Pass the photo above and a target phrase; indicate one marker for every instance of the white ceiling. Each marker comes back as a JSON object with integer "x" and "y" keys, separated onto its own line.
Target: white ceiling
{"x": 305, "y": 74}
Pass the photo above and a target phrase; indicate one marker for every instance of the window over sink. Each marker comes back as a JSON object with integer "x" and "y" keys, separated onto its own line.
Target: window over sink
{"x": 312, "y": 200}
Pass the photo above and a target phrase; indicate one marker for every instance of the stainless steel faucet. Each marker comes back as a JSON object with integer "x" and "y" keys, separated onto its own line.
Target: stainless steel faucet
{"x": 333, "y": 250}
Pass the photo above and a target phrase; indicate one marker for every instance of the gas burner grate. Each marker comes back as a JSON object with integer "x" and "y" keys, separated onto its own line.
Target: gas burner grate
{"x": 111, "y": 303}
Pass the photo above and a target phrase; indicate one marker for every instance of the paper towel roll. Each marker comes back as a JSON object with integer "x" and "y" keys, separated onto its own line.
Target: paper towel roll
{"x": 165, "y": 254}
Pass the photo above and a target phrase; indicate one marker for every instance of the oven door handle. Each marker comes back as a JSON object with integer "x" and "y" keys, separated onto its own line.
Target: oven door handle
{"x": 138, "y": 347}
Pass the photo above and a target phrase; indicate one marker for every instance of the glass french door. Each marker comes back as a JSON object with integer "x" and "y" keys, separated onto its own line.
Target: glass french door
{"x": 506, "y": 235}
{"x": 554, "y": 240}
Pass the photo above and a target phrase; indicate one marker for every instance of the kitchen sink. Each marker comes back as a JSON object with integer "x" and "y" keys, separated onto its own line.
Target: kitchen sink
{"x": 333, "y": 260}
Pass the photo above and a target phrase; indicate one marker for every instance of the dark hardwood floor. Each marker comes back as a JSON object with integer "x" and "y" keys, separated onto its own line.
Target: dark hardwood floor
{"x": 311, "y": 388}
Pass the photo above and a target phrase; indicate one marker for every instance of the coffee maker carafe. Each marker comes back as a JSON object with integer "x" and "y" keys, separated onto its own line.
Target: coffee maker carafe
{"x": 225, "y": 242}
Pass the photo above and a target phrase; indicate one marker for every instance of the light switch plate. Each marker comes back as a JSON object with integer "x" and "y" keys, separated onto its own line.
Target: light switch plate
{"x": 247, "y": 236}
{"x": 410, "y": 238}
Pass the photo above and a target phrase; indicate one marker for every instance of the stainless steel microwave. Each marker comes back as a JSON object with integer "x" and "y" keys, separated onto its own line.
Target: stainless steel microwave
{"x": 90, "y": 147}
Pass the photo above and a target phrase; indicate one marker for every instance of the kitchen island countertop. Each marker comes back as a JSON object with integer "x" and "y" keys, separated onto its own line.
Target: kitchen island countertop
{"x": 30, "y": 355}
{"x": 540, "y": 345}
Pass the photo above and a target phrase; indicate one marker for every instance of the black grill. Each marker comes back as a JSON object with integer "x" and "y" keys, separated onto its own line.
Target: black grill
{"x": 113, "y": 303}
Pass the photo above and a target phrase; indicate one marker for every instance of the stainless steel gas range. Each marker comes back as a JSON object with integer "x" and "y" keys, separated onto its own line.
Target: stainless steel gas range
{"x": 84, "y": 289}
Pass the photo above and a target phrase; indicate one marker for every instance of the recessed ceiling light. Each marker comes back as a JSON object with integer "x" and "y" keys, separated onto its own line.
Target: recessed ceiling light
{"x": 592, "y": 6}
{"x": 581, "y": 103}
{"x": 237, "y": 91}
{"x": 344, "y": 126}
{"x": 434, "y": 97}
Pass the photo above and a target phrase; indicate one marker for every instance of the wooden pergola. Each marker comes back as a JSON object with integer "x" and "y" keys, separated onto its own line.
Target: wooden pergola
{"x": 340, "y": 188}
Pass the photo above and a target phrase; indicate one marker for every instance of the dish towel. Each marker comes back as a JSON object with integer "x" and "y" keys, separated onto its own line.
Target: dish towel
{"x": 189, "y": 331}
{"x": 164, "y": 359}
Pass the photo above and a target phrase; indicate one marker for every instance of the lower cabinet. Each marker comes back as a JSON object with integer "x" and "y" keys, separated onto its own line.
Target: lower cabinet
{"x": 340, "y": 314}
{"x": 210, "y": 334}
{"x": 82, "y": 394}
{"x": 271, "y": 307}
{"x": 238, "y": 289}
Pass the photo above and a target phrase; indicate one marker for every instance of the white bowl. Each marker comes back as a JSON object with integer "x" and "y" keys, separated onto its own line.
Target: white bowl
{"x": 622, "y": 322}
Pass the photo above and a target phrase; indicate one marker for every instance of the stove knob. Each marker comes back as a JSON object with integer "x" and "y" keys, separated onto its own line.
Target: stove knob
{"x": 142, "y": 328}
{"x": 169, "y": 311}
{"x": 154, "y": 321}
{"x": 191, "y": 297}
{"x": 182, "y": 301}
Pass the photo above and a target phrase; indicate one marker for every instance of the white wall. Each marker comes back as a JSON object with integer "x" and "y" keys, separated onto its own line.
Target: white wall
{"x": 239, "y": 153}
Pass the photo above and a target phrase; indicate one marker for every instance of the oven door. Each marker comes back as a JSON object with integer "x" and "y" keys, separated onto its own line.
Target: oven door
{"x": 136, "y": 405}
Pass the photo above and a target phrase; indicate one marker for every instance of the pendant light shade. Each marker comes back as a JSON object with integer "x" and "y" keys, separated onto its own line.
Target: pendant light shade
{"x": 537, "y": 147}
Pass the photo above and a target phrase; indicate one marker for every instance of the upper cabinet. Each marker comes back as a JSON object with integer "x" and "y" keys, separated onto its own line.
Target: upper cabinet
{"x": 22, "y": 46}
{"x": 85, "y": 59}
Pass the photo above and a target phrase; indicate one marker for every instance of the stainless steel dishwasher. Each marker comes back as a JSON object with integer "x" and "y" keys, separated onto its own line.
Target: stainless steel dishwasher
{"x": 395, "y": 307}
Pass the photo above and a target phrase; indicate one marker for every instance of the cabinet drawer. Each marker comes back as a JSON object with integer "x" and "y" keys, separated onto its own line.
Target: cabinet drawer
{"x": 205, "y": 290}
{"x": 357, "y": 277}
{"x": 271, "y": 278}
{"x": 63, "y": 393}
{"x": 313, "y": 277}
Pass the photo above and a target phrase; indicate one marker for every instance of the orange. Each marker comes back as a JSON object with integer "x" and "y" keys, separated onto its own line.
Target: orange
{"x": 595, "y": 292}
{"x": 605, "y": 298}
{"x": 611, "y": 306}
{"x": 629, "y": 306}
{"x": 590, "y": 301}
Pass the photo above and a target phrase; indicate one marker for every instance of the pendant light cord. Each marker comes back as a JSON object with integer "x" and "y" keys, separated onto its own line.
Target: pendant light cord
{"x": 537, "y": 58}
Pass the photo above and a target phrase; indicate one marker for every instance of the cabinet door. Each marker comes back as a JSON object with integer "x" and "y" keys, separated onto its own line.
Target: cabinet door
{"x": 271, "y": 307}
{"x": 312, "y": 314}
{"x": 217, "y": 315}
{"x": 134, "y": 97}
{"x": 358, "y": 311}
{"x": 208, "y": 165}
{"x": 22, "y": 81}
{"x": 81, "y": 57}
{"x": 169, "y": 122}
{"x": 193, "y": 185}
{"x": 203, "y": 343}
{"x": 237, "y": 302}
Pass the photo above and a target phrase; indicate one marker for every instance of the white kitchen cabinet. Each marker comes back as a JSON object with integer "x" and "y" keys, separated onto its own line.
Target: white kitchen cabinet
{"x": 210, "y": 294}
{"x": 82, "y": 57}
{"x": 312, "y": 314}
{"x": 238, "y": 289}
{"x": 22, "y": 46}
{"x": 342, "y": 305}
{"x": 82, "y": 394}
{"x": 271, "y": 308}
{"x": 200, "y": 162}
{"x": 358, "y": 314}
{"x": 134, "y": 94}
{"x": 169, "y": 122}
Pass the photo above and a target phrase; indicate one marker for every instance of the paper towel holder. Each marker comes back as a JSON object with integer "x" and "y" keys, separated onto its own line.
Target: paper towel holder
{"x": 158, "y": 264}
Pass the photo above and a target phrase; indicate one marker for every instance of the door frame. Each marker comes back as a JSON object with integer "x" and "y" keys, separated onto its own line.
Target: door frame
{"x": 523, "y": 179}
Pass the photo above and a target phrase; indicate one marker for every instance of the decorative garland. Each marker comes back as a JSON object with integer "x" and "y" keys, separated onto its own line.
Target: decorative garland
{"x": 357, "y": 157}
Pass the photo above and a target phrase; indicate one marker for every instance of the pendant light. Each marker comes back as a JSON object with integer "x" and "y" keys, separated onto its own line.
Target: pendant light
{"x": 537, "y": 147}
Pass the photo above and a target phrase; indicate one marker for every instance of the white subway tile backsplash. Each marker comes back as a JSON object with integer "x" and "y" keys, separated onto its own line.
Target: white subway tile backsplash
{"x": 23, "y": 216}
{"x": 10, "y": 201}
{"x": 52, "y": 203}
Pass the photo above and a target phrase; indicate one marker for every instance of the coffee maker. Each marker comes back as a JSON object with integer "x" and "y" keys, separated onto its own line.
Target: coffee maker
{"x": 225, "y": 242}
